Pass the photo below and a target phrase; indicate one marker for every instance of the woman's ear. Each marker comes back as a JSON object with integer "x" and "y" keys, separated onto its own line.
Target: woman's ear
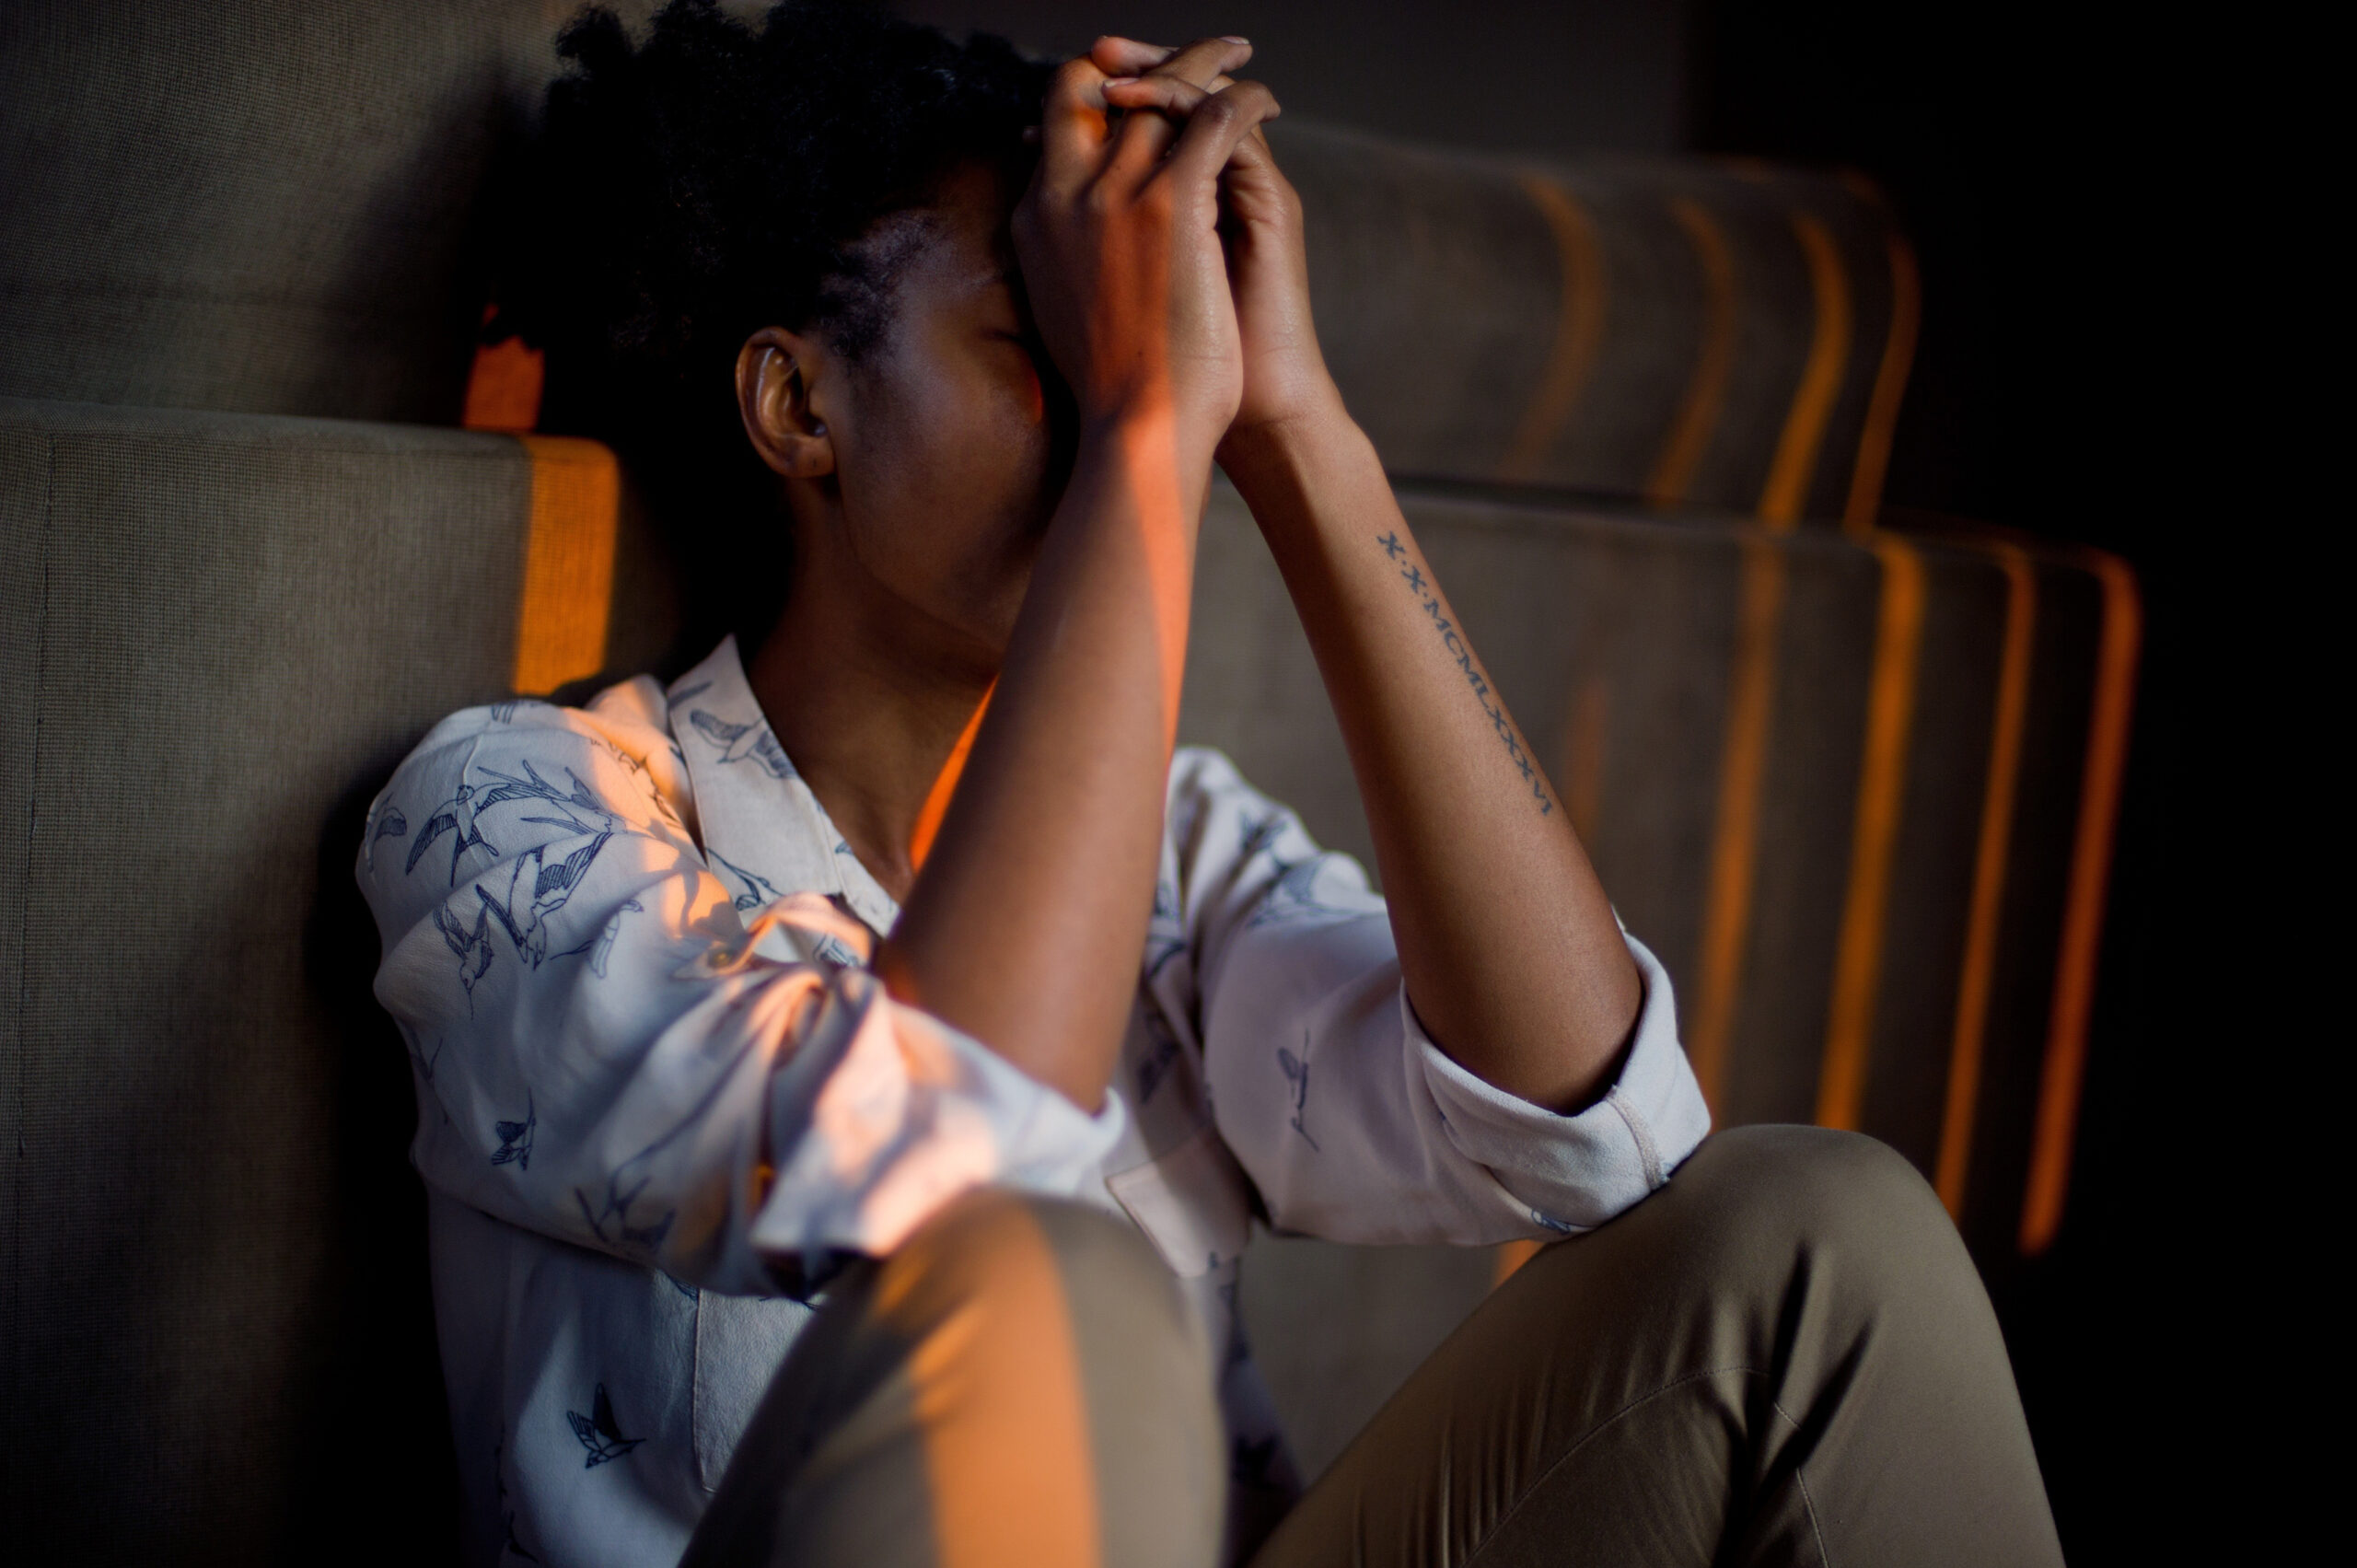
{"x": 776, "y": 371}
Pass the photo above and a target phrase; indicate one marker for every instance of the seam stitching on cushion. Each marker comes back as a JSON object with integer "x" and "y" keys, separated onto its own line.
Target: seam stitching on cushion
{"x": 1590, "y": 1436}
{"x": 225, "y": 435}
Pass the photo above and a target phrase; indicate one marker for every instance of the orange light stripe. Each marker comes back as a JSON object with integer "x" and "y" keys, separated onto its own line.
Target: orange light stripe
{"x": 1579, "y": 325}
{"x": 1726, "y": 909}
{"x": 1510, "y": 1256}
{"x": 1890, "y": 386}
{"x": 944, "y": 785}
{"x": 1785, "y": 495}
{"x": 1882, "y": 785}
{"x": 1751, "y": 683}
{"x": 504, "y": 389}
{"x": 1165, "y": 542}
{"x": 1980, "y": 967}
{"x": 2074, "y": 977}
{"x": 1706, "y": 388}
{"x": 568, "y": 562}
{"x": 1005, "y": 1363}
{"x": 504, "y": 385}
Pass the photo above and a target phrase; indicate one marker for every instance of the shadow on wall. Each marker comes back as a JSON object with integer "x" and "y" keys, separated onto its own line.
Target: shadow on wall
{"x": 379, "y": 1404}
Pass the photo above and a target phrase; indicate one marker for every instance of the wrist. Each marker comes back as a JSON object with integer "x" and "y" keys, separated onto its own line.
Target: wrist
{"x": 1313, "y": 419}
{"x": 1131, "y": 456}
{"x": 1318, "y": 439}
{"x": 1147, "y": 436}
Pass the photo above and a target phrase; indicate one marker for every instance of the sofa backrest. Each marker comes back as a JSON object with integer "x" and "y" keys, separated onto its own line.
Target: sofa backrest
{"x": 1670, "y": 332}
{"x": 256, "y": 206}
{"x": 218, "y": 635}
{"x": 267, "y": 208}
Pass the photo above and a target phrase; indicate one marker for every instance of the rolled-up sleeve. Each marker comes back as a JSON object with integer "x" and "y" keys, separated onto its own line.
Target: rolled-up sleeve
{"x": 610, "y": 1049}
{"x": 1574, "y": 1172}
{"x": 1352, "y": 1124}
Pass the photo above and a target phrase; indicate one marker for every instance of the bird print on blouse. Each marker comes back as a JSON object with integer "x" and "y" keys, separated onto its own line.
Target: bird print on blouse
{"x": 456, "y": 815}
{"x": 602, "y": 946}
{"x": 470, "y": 944}
{"x": 757, "y": 888}
{"x": 515, "y": 1138}
{"x": 1296, "y": 1071}
{"x": 741, "y": 742}
{"x": 599, "y": 1432}
{"x": 536, "y": 890}
{"x": 510, "y": 1544}
{"x": 1166, "y": 931}
{"x": 1294, "y": 896}
{"x": 390, "y": 824}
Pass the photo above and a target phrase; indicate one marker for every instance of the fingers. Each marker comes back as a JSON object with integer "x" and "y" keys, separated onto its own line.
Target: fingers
{"x": 1128, "y": 57}
{"x": 1164, "y": 95}
{"x": 1178, "y": 100}
{"x": 1216, "y": 127}
{"x": 1072, "y": 126}
{"x": 1143, "y": 138}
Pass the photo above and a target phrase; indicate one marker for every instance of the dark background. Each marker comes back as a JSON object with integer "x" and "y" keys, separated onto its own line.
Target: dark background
{"x": 2061, "y": 176}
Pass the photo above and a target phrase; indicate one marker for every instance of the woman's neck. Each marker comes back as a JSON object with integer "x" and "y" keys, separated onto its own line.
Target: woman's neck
{"x": 868, "y": 697}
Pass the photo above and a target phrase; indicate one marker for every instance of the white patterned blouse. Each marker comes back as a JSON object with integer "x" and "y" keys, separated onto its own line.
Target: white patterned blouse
{"x": 656, "y": 1085}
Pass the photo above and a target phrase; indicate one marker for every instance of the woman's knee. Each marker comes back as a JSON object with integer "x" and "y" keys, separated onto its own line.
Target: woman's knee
{"x": 1047, "y": 1323}
{"x": 1779, "y": 1191}
{"x": 996, "y": 1246}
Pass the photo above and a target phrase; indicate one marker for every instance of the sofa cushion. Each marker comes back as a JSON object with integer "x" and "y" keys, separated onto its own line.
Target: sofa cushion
{"x": 217, "y": 634}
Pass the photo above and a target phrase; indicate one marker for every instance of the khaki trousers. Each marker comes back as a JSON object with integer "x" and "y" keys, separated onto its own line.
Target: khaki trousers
{"x": 1784, "y": 1357}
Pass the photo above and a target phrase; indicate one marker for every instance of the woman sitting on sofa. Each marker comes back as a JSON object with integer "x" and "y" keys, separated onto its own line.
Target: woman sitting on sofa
{"x": 829, "y": 1166}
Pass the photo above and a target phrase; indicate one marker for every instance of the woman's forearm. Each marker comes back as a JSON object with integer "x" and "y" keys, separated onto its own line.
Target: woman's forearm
{"x": 1024, "y": 928}
{"x": 1510, "y": 950}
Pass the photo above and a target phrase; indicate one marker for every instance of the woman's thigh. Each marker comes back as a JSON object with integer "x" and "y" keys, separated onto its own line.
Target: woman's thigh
{"x": 1021, "y": 1382}
{"x": 1784, "y": 1355}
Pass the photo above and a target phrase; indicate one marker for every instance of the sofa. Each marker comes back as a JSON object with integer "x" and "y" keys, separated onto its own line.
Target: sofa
{"x": 1852, "y": 782}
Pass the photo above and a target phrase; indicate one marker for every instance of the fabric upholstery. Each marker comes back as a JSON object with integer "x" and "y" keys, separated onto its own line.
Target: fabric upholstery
{"x": 210, "y": 662}
{"x": 256, "y": 206}
{"x": 214, "y": 1316}
{"x": 1675, "y": 330}
{"x": 215, "y": 1323}
{"x": 1612, "y": 638}
{"x": 282, "y": 209}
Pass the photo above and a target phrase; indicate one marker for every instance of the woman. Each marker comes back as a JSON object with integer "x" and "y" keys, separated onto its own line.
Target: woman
{"x": 840, "y": 1178}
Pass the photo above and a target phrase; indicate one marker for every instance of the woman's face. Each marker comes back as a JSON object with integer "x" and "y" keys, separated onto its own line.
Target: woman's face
{"x": 950, "y": 453}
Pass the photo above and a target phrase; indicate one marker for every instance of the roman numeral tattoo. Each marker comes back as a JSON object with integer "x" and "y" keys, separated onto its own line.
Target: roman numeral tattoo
{"x": 1428, "y": 595}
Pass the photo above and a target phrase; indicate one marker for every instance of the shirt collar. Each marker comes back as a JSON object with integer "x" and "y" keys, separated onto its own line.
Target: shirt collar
{"x": 764, "y": 831}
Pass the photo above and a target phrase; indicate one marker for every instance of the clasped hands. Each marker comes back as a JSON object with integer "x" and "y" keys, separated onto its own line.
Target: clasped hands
{"x": 1162, "y": 251}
